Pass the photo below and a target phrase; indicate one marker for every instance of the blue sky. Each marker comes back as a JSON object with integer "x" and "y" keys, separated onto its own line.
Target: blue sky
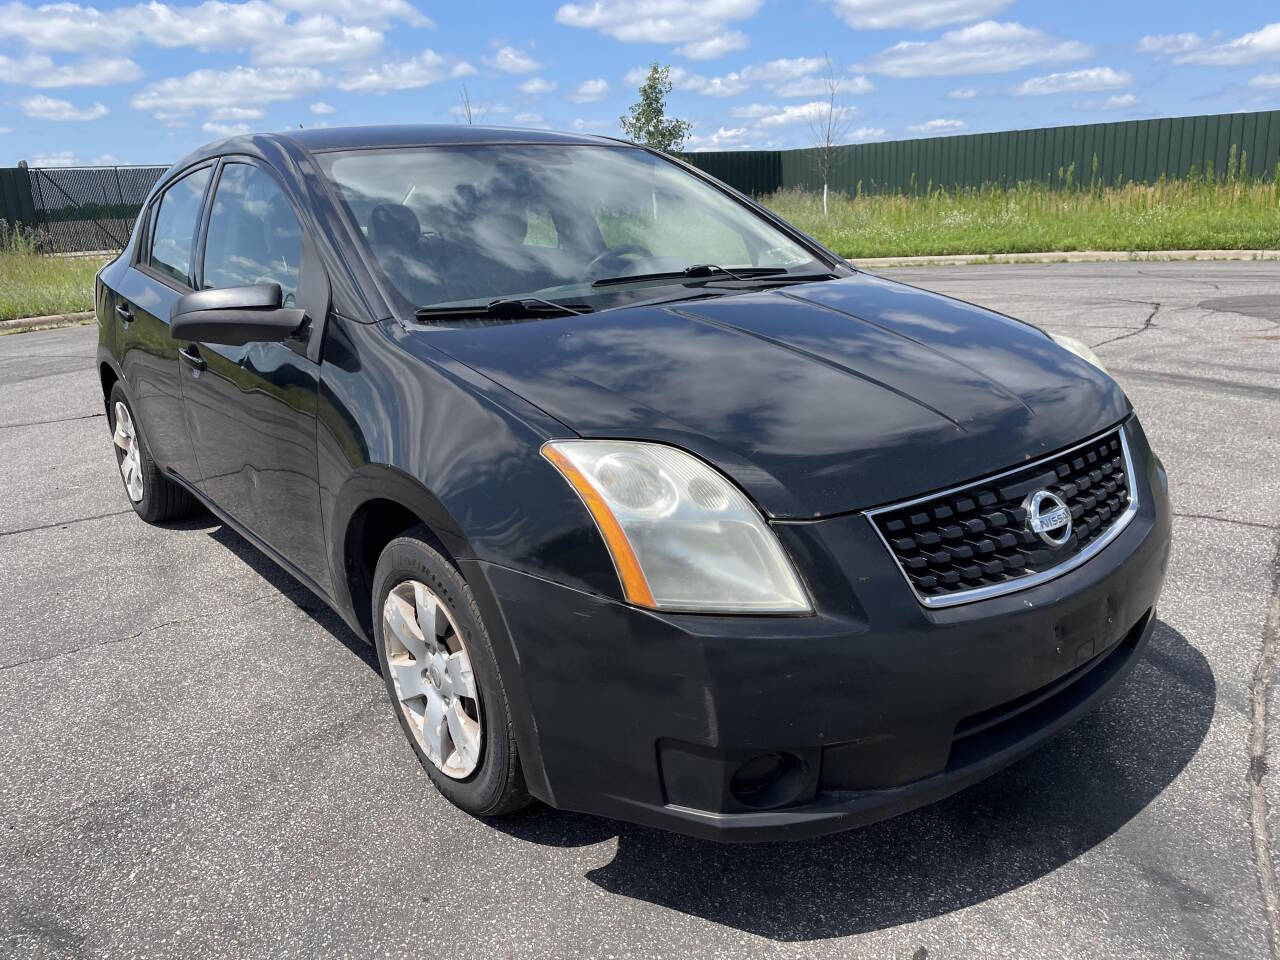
{"x": 145, "y": 82}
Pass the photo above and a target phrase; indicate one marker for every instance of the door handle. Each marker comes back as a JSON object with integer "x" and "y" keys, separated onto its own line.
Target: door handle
{"x": 124, "y": 313}
{"x": 191, "y": 354}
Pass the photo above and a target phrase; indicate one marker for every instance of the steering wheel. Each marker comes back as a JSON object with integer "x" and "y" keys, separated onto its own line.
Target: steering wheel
{"x": 615, "y": 255}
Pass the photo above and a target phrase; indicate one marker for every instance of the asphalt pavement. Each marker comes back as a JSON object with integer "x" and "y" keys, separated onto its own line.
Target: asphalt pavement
{"x": 197, "y": 759}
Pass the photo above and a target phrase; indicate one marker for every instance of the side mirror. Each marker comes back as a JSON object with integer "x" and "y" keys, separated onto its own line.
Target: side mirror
{"x": 235, "y": 316}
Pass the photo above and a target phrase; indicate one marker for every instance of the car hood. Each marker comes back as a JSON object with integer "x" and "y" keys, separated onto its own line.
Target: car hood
{"x": 817, "y": 399}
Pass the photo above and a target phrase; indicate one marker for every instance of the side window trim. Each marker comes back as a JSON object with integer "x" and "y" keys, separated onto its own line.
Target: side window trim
{"x": 202, "y": 231}
{"x": 142, "y": 258}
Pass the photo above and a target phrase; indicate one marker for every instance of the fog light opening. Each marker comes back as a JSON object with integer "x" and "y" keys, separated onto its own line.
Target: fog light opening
{"x": 768, "y": 780}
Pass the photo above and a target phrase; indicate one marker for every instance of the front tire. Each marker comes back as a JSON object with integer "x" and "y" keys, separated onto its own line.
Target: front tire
{"x": 440, "y": 672}
{"x": 153, "y": 496}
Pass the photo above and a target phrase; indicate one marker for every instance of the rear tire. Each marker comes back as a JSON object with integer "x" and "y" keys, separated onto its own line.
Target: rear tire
{"x": 440, "y": 672}
{"x": 153, "y": 496}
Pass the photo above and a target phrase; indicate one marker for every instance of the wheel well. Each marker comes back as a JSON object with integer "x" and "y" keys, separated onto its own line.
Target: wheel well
{"x": 109, "y": 379}
{"x": 374, "y": 525}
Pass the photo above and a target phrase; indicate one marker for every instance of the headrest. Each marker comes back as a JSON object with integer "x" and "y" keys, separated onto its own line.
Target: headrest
{"x": 394, "y": 225}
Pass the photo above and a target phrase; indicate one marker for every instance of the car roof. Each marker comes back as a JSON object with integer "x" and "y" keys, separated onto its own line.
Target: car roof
{"x": 321, "y": 139}
{"x": 396, "y": 135}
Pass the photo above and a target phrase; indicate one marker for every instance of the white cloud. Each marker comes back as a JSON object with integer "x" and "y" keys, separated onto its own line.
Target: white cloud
{"x": 50, "y": 108}
{"x": 362, "y": 11}
{"x": 939, "y": 126}
{"x": 511, "y": 60}
{"x": 4, "y": 130}
{"x": 60, "y": 158}
{"x": 320, "y": 39}
{"x": 804, "y": 113}
{"x": 225, "y": 129}
{"x": 699, "y": 27}
{"x": 1168, "y": 43}
{"x": 1262, "y": 44}
{"x": 987, "y": 47}
{"x": 1118, "y": 102}
{"x": 589, "y": 91}
{"x": 479, "y": 110}
{"x": 1266, "y": 81}
{"x": 320, "y": 108}
{"x": 255, "y": 25}
{"x": 236, "y": 113}
{"x": 1077, "y": 81}
{"x": 816, "y": 86}
{"x": 715, "y": 47}
{"x": 753, "y": 111}
{"x": 963, "y": 93}
{"x": 729, "y": 85}
{"x": 212, "y": 25}
{"x": 537, "y": 85}
{"x": 916, "y": 14}
{"x": 528, "y": 119}
{"x": 66, "y": 26}
{"x": 724, "y": 138}
{"x": 787, "y": 77}
{"x": 240, "y": 86}
{"x": 38, "y": 70}
{"x": 863, "y": 134}
{"x": 423, "y": 70}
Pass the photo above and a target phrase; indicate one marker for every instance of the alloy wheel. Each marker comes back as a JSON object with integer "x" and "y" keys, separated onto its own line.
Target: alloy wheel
{"x": 126, "y": 438}
{"x": 431, "y": 672}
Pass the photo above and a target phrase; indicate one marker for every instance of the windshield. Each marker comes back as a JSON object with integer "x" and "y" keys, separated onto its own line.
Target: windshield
{"x": 465, "y": 224}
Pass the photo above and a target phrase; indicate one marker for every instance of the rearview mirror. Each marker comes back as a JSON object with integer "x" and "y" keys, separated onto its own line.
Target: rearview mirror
{"x": 234, "y": 316}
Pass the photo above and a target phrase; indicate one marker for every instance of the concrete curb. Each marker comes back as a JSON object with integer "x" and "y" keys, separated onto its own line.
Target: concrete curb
{"x": 1066, "y": 256}
{"x": 24, "y": 324}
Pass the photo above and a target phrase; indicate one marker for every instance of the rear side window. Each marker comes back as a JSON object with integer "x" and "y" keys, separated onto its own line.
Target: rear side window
{"x": 254, "y": 235}
{"x": 175, "y": 225}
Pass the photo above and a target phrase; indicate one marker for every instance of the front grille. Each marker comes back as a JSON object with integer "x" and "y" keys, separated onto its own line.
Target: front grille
{"x": 974, "y": 542}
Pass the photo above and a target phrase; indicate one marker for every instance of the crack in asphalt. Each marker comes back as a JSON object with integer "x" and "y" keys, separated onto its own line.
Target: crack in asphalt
{"x": 1146, "y": 324}
{"x": 1259, "y": 694}
{"x": 62, "y": 523}
{"x": 176, "y": 621}
{"x": 1243, "y": 523}
{"x": 39, "y": 423}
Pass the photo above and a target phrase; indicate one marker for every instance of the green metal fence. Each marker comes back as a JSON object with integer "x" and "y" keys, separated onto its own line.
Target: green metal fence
{"x": 1132, "y": 150}
{"x": 75, "y": 209}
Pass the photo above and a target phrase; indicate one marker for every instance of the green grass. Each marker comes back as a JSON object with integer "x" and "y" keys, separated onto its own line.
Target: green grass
{"x": 32, "y": 285}
{"x": 1193, "y": 214}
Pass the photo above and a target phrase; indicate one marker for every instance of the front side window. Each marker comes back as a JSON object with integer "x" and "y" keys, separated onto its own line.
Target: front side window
{"x": 175, "y": 225}
{"x": 254, "y": 235}
{"x": 453, "y": 224}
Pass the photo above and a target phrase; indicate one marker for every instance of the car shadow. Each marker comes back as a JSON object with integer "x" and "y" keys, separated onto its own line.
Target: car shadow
{"x": 1007, "y": 831}
{"x": 282, "y": 580}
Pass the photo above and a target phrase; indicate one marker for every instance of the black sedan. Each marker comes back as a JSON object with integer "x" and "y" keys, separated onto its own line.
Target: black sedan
{"x": 652, "y": 506}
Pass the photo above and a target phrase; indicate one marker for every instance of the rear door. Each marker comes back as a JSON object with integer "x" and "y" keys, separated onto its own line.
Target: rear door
{"x": 252, "y": 408}
{"x": 159, "y": 275}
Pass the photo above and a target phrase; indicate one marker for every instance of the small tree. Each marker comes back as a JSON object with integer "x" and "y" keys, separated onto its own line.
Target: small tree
{"x": 647, "y": 122}
{"x": 828, "y": 125}
{"x": 466, "y": 103}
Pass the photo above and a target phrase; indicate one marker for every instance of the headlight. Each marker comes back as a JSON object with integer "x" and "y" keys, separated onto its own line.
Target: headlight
{"x": 1081, "y": 350}
{"x": 682, "y": 537}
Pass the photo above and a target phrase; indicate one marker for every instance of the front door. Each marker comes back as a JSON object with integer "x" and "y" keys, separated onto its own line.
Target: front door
{"x": 143, "y": 297}
{"x": 252, "y": 408}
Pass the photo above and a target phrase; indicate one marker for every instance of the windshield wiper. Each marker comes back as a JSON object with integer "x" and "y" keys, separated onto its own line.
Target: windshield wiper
{"x": 696, "y": 271}
{"x": 504, "y": 308}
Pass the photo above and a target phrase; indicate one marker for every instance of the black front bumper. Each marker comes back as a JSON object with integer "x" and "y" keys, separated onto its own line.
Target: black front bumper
{"x": 873, "y": 706}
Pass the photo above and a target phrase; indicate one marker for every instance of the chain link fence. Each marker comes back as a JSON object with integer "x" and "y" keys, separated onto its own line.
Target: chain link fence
{"x": 76, "y": 209}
